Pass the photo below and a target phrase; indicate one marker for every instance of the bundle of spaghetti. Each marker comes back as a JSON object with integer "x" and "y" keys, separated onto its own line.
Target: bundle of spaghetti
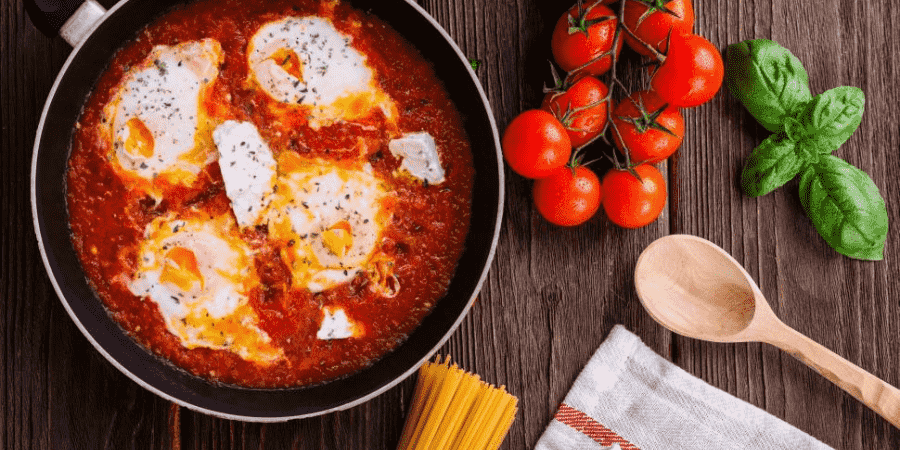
{"x": 453, "y": 409}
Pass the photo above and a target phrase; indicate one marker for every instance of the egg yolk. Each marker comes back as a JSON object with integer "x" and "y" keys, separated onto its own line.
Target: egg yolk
{"x": 289, "y": 61}
{"x": 181, "y": 269}
{"x": 338, "y": 238}
{"x": 140, "y": 138}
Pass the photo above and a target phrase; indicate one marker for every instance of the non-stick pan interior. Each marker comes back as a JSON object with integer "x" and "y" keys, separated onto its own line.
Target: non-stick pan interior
{"x": 52, "y": 149}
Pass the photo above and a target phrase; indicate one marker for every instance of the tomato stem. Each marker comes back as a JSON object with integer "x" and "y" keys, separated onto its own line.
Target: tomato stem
{"x": 581, "y": 24}
{"x": 653, "y": 6}
{"x": 615, "y": 82}
{"x": 559, "y": 85}
{"x": 647, "y": 119}
{"x": 660, "y": 58}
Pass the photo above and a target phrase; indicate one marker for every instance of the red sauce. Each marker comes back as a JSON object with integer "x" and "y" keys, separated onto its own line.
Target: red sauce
{"x": 425, "y": 236}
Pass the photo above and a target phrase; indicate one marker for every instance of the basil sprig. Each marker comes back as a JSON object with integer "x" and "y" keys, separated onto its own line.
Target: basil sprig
{"x": 842, "y": 201}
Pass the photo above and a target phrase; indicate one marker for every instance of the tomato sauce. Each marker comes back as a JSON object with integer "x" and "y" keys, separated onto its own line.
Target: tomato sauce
{"x": 425, "y": 236}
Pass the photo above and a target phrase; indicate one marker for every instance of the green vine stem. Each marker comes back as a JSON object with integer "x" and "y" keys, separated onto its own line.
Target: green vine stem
{"x": 613, "y": 83}
{"x": 660, "y": 57}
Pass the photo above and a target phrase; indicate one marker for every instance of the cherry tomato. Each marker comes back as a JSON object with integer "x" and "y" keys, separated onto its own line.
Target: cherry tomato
{"x": 535, "y": 143}
{"x": 583, "y": 39}
{"x": 651, "y": 129}
{"x": 581, "y": 109}
{"x": 653, "y": 21}
{"x": 630, "y": 202}
{"x": 569, "y": 196}
{"x": 691, "y": 74}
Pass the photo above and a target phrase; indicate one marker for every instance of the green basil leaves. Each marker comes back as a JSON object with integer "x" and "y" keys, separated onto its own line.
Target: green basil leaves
{"x": 842, "y": 201}
{"x": 846, "y": 208}
{"x": 771, "y": 165}
{"x": 832, "y": 117}
{"x": 768, "y": 79}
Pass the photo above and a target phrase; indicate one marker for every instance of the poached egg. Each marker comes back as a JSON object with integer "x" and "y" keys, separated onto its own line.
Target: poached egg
{"x": 306, "y": 61}
{"x": 330, "y": 217}
{"x": 159, "y": 129}
{"x": 326, "y": 216}
{"x": 198, "y": 271}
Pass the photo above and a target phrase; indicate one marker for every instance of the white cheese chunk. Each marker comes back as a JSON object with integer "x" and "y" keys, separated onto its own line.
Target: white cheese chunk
{"x": 420, "y": 157}
{"x": 335, "y": 325}
{"x": 248, "y": 168}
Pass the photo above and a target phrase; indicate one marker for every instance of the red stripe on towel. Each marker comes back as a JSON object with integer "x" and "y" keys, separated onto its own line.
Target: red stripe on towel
{"x": 591, "y": 428}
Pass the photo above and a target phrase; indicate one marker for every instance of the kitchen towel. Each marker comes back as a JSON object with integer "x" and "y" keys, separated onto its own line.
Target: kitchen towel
{"x": 630, "y": 398}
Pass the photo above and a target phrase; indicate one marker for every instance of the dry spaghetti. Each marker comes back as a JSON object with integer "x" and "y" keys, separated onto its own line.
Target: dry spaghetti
{"x": 454, "y": 409}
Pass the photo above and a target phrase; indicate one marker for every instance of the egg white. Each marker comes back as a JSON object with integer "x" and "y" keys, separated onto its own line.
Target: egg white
{"x": 306, "y": 61}
{"x": 198, "y": 272}
{"x": 330, "y": 218}
{"x": 157, "y": 122}
{"x": 326, "y": 216}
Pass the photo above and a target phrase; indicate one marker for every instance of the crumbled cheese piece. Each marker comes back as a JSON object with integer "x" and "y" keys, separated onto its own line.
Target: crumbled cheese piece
{"x": 420, "y": 157}
{"x": 335, "y": 325}
{"x": 248, "y": 168}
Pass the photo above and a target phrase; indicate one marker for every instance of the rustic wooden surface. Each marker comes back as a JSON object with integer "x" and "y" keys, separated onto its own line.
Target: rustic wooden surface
{"x": 553, "y": 294}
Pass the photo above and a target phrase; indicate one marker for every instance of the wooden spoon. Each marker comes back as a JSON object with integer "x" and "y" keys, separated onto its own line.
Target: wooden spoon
{"x": 694, "y": 288}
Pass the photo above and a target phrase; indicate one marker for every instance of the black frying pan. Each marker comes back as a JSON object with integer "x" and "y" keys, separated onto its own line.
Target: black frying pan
{"x": 51, "y": 150}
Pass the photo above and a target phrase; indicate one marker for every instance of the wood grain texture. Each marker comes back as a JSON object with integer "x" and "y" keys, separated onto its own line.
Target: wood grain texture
{"x": 553, "y": 293}
{"x": 47, "y": 363}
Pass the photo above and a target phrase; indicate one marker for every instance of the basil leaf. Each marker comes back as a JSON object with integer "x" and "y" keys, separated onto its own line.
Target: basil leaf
{"x": 845, "y": 207}
{"x": 772, "y": 164}
{"x": 832, "y": 117}
{"x": 768, "y": 79}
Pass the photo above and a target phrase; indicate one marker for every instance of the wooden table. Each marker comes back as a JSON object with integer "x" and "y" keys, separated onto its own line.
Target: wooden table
{"x": 553, "y": 294}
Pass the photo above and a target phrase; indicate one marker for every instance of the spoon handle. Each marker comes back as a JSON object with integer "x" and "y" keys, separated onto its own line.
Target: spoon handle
{"x": 872, "y": 391}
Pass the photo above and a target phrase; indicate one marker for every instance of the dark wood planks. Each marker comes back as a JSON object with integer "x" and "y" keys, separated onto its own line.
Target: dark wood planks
{"x": 553, "y": 294}
{"x": 841, "y": 303}
{"x": 57, "y": 391}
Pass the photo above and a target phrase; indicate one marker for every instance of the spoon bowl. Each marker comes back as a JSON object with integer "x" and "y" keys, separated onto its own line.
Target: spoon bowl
{"x": 696, "y": 289}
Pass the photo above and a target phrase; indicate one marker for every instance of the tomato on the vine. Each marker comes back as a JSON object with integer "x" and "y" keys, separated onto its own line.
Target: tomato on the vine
{"x": 632, "y": 202}
{"x": 650, "y": 128}
{"x": 535, "y": 143}
{"x": 691, "y": 74}
{"x": 653, "y": 21}
{"x": 569, "y": 196}
{"x": 581, "y": 109}
{"x": 583, "y": 38}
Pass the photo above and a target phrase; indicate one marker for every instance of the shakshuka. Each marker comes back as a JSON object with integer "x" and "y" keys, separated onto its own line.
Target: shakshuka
{"x": 269, "y": 194}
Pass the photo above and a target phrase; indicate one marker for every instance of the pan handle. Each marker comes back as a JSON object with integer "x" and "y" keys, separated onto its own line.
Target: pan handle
{"x": 73, "y": 21}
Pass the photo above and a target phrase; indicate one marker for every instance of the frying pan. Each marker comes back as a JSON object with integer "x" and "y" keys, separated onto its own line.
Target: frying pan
{"x": 95, "y": 35}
